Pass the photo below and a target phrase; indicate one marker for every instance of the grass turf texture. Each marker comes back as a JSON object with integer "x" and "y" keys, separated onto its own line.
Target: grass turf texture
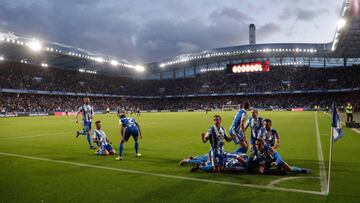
{"x": 168, "y": 137}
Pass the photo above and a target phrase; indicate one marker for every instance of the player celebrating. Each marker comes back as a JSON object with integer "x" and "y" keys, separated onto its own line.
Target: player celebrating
{"x": 269, "y": 135}
{"x": 87, "y": 115}
{"x": 255, "y": 123}
{"x": 99, "y": 137}
{"x": 237, "y": 128}
{"x": 263, "y": 156}
{"x": 216, "y": 135}
{"x": 129, "y": 127}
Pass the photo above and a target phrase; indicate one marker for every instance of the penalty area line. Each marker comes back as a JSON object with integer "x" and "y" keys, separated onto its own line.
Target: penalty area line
{"x": 264, "y": 187}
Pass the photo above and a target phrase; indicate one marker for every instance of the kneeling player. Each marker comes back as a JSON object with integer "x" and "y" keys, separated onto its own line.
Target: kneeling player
{"x": 269, "y": 135}
{"x": 129, "y": 127}
{"x": 263, "y": 156}
{"x": 99, "y": 137}
{"x": 217, "y": 136}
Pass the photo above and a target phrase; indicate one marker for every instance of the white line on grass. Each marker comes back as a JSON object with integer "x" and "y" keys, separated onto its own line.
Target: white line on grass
{"x": 277, "y": 181}
{"x": 343, "y": 123}
{"x": 265, "y": 187}
{"x": 32, "y": 136}
{"x": 323, "y": 180}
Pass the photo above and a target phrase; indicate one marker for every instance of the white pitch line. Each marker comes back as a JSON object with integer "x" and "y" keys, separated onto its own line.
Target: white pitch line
{"x": 343, "y": 123}
{"x": 264, "y": 187}
{"x": 32, "y": 136}
{"x": 277, "y": 181}
{"x": 323, "y": 180}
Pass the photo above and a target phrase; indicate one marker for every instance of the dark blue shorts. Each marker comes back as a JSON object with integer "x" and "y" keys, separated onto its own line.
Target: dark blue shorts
{"x": 133, "y": 131}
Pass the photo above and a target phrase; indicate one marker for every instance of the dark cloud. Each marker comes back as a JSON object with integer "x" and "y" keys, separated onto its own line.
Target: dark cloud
{"x": 267, "y": 30}
{"x": 301, "y": 14}
{"x": 145, "y": 31}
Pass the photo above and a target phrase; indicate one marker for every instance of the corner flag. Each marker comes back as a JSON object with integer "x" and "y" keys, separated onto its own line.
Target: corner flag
{"x": 336, "y": 133}
{"x": 336, "y": 125}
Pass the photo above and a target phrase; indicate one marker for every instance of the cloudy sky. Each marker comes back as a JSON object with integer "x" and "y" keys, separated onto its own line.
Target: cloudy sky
{"x": 150, "y": 30}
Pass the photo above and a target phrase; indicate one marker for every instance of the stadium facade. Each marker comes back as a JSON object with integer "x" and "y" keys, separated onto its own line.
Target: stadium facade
{"x": 344, "y": 50}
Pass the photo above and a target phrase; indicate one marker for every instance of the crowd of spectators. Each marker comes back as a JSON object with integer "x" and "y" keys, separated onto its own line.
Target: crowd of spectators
{"x": 29, "y": 77}
{"x": 24, "y": 76}
{"x": 44, "y": 103}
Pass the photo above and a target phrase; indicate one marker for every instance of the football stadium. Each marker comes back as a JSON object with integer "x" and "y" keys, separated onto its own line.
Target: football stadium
{"x": 256, "y": 122}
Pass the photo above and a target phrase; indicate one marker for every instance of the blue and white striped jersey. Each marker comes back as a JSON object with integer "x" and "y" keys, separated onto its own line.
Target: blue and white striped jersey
{"x": 216, "y": 136}
{"x": 101, "y": 137}
{"x": 255, "y": 125}
{"x": 238, "y": 118}
{"x": 269, "y": 137}
{"x": 87, "y": 112}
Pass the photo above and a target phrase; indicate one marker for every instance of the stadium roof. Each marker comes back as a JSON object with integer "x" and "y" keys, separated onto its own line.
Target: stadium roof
{"x": 346, "y": 43}
{"x": 347, "y": 36}
{"x": 16, "y": 47}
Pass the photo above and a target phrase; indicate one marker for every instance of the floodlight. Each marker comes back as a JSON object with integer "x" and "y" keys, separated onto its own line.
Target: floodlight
{"x": 99, "y": 59}
{"x": 341, "y": 23}
{"x": 139, "y": 68}
{"x": 114, "y": 62}
{"x": 35, "y": 45}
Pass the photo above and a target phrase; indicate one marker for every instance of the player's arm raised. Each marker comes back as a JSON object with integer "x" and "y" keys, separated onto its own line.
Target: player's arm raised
{"x": 204, "y": 137}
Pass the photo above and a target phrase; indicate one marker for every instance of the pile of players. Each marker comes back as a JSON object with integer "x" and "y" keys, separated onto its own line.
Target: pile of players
{"x": 263, "y": 142}
{"x": 129, "y": 128}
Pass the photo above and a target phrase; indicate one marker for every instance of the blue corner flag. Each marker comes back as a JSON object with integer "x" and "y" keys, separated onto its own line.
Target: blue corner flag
{"x": 336, "y": 125}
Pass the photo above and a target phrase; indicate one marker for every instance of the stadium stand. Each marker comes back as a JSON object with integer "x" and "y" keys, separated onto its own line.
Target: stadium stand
{"x": 285, "y": 78}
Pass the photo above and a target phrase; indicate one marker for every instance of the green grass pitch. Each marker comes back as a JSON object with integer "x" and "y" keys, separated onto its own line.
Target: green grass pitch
{"x": 42, "y": 161}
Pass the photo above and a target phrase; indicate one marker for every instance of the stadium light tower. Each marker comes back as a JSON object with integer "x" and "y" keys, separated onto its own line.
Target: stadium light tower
{"x": 252, "y": 34}
{"x": 35, "y": 45}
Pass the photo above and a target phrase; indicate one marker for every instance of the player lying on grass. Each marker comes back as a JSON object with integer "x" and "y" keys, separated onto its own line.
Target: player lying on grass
{"x": 129, "y": 127}
{"x": 255, "y": 123}
{"x": 230, "y": 163}
{"x": 99, "y": 137}
{"x": 87, "y": 112}
{"x": 237, "y": 129}
{"x": 263, "y": 157}
{"x": 195, "y": 160}
{"x": 269, "y": 135}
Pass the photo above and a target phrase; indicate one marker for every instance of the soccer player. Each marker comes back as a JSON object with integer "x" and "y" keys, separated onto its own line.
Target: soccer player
{"x": 195, "y": 160}
{"x": 237, "y": 128}
{"x": 216, "y": 135}
{"x": 99, "y": 137}
{"x": 87, "y": 112}
{"x": 269, "y": 135}
{"x": 255, "y": 123}
{"x": 264, "y": 157}
{"x": 236, "y": 163}
{"x": 138, "y": 111}
{"x": 129, "y": 127}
